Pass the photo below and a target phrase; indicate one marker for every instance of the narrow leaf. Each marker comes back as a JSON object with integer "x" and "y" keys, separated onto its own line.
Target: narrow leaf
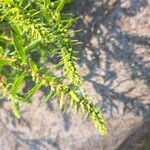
{"x": 31, "y": 46}
{"x": 5, "y": 62}
{"x": 33, "y": 66}
{"x": 17, "y": 83}
{"x": 71, "y": 103}
{"x": 45, "y": 100}
{"x": 68, "y": 1}
{"x": 61, "y": 100}
{"x": 19, "y": 47}
{"x": 60, "y": 6}
{"x": 16, "y": 110}
{"x": 32, "y": 91}
{"x": 74, "y": 96}
{"x": 67, "y": 15}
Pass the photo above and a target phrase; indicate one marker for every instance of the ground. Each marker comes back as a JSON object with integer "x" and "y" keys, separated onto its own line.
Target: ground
{"x": 115, "y": 64}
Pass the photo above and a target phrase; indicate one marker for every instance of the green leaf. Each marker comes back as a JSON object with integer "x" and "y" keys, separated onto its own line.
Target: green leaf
{"x": 16, "y": 109}
{"x": 45, "y": 100}
{"x": 69, "y": 24}
{"x": 67, "y": 16}
{"x": 21, "y": 2}
{"x": 2, "y": 40}
{"x": 33, "y": 66}
{"x": 74, "y": 96}
{"x": 19, "y": 48}
{"x": 61, "y": 100}
{"x": 82, "y": 106}
{"x": 17, "y": 83}
{"x": 62, "y": 3}
{"x": 60, "y": 6}
{"x": 68, "y": 1}
{"x": 21, "y": 99}
{"x": 5, "y": 62}
{"x": 32, "y": 46}
{"x": 71, "y": 102}
{"x": 32, "y": 91}
{"x": 6, "y": 2}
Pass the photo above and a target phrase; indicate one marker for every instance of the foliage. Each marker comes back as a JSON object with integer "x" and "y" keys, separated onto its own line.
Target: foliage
{"x": 40, "y": 27}
{"x": 146, "y": 144}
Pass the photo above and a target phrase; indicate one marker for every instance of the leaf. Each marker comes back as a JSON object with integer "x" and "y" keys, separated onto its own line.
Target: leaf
{"x": 32, "y": 46}
{"x": 69, "y": 24}
{"x": 2, "y": 40}
{"x": 5, "y": 62}
{"x": 60, "y": 6}
{"x": 17, "y": 83}
{"x": 16, "y": 109}
{"x": 19, "y": 48}
{"x": 33, "y": 66}
{"x": 66, "y": 16}
{"x": 68, "y": 1}
{"x": 45, "y": 100}
{"x": 21, "y": 99}
{"x": 62, "y": 3}
{"x": 6, "y": 2}
{"x": 32, "y": 91}
{"x": 61, "y": 100}
{"x": 76, "y": 107}
{"x": 74, "y": 96}
{"x": 82, "y": 106}
{"x": 21, "y": 2}
{"x": 71, "y": 102}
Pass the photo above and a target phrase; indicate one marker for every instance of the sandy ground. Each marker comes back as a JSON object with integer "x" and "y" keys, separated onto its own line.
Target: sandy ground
{"x": 115, "y": 64}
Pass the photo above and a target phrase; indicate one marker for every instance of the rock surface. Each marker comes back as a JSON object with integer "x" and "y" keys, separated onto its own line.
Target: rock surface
{"x": 115, "y": 63}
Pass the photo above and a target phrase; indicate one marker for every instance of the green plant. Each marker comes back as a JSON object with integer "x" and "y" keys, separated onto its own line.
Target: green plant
{"x": 40, "y": 27}
{"x": 146, "y": 144}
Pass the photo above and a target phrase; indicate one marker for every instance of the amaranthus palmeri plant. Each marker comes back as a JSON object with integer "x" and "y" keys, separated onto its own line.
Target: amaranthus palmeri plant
{"x": 40, "y": 27}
